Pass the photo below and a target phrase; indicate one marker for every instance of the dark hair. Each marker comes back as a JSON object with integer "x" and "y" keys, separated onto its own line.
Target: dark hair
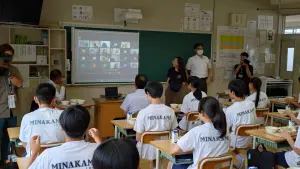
{"x": 238, "y": 87}
{"x": 197, "y": 45}
{"x": 116, "y": 154}
{"x": 140, "y": 81}
{"x": 299, "y": 79}
{"x": 245, "y": 54}
{"x": 6, "y": 47}
{"x": 257, "y": 85}
{"x": 155, "y": 89}
{"x": 45, "y": 93}
{"x": 212, "y": 108}
{"x": 181, "y": 66}
{"x": 196, "y": 83}
{"x": 74, "y": 121}
{"x": 55, "y": 74}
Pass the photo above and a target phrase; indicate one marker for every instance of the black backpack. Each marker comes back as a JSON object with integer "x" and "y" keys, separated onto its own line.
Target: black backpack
{"x": 261, "y": 159}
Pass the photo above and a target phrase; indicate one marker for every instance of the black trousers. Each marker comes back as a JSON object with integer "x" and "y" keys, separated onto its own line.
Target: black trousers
{"x": 204, "y": 89}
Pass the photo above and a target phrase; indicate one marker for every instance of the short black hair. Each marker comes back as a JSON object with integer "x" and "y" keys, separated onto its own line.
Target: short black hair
{"x": 155, "y": 89}
{"x": 116, "y": 154}
{"x": 245, "y": 54}
{"x": 141, "y": 81}
{"x": 6, "y": 47}
{"x": 75, "y": 121}
{"x": 238, "y": 87}
{"x": 45, "y": 93}
{"x": 197, "y": 45}
{"x": 55, "y": 74}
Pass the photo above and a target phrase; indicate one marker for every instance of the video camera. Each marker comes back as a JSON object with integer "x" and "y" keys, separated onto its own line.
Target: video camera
{"x": 4, "y": 61}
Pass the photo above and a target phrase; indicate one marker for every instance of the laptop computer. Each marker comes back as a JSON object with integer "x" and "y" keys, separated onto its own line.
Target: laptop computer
{"x": 111, "y": 93}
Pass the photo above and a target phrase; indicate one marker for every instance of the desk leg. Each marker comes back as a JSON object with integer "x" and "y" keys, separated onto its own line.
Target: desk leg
{"x": 116, "y": 131}
{"x": 254, "y": 142}
{"x": 272, "y": 121}
{"x": 272, "y": 107}
{"x": 157, "y": 158}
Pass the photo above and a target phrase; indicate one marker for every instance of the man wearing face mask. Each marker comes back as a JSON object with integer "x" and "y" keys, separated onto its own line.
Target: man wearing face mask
{"x": 244, "y": 70}
{"x": 199, "y": 65}
{"x": 10, "y": 81}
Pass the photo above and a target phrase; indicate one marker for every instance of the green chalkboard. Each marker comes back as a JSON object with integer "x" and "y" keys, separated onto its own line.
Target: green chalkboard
{"x": 158, "y": 49}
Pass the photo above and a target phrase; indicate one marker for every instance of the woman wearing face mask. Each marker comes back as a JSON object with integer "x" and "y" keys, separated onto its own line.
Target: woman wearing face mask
{"x": 176, "y": 88}
{"x": 199, "y": 65}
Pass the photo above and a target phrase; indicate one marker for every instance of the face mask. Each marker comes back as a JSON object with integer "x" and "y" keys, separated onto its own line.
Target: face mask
{"x": 200, "y": 52}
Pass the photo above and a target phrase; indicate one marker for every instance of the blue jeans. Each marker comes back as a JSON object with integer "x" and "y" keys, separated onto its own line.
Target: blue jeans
{"x": 4, "y": 139}
{"x": 280, "y": 159}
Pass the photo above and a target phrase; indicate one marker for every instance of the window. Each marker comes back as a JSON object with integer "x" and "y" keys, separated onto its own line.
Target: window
{"x": 297, "y": 31}
{"x": 288, "y": 31}
{"x": 290, "y": 59}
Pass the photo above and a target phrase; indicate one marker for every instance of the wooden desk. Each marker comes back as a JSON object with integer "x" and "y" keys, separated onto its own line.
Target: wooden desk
{"x": 276, "y": 115}
{"x": 227, "y": 104}
{"x": 13, "y": 133}
{"x": 105, "y": 111}
{"x": 63, "y": 107}
{"x": 164, "y": 148}
{"x": 121, "y": 126}
{"x": 260, "y": 136}
{"x": 22, "y": 162}
{"x": 276, "y": 101}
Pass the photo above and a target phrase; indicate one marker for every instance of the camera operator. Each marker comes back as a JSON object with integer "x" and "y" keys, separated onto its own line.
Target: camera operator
{"x": 244, "y": 70}
{"x": 10, "y": 81}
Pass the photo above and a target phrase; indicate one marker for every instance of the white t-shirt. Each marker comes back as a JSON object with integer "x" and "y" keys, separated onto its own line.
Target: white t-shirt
{"x": 263, "y": 100}
{"x": 204, "y": 141}
{"x": 291, "y": 157}
{"x": 190, "y": 104}
{"x": 198, "y": 66}
{"x": 59, "y": 95}
{"x": 75, "y": 154}
{"x": 240, "y": 113}
{"x": 135, "y": 101}
{"x": 299, "y": 98}
{"x": 43, "y": 122}
{"x": 155, "y": 117}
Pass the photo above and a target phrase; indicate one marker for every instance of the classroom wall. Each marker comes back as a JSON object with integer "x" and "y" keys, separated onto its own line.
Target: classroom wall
{"x": 163, "y": 15}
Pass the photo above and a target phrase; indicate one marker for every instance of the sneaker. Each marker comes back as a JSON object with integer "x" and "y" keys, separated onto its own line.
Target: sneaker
{"x": 241, "y": 161}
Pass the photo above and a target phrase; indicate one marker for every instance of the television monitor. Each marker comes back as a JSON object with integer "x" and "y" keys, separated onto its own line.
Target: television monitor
{"x": 20, "y": 11}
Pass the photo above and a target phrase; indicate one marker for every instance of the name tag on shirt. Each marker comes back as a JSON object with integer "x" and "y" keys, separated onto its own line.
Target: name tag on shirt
{"x": 240, "y": 75}
{"x": 11, "y": 101}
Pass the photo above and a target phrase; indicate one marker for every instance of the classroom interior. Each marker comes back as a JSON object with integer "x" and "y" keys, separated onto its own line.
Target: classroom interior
{"x": 163, "y": 16}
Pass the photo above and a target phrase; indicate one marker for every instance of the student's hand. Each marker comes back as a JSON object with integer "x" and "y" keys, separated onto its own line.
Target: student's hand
{"x": 62, "y": 83}
{"x": 285, "y": 135}
{"x": 95, "y": 135}
{"x": 289, "y": 113}
{"x": 35, "y": 145}
{"x": 288, "y": 101}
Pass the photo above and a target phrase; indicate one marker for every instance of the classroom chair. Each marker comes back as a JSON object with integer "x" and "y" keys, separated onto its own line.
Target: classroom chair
{"x": 241, "y": 131}
{"x": 216, "y": 162}
{"x": 192, "y": 116}
{"x": 261, "y": 113}
{"x": 50, "y": 145}
{"x": 151, "y": 136}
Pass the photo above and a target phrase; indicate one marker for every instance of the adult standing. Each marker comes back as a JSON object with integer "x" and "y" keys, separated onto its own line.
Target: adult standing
{"x": 199, "y": 65}
{"x": 10, "y": 81}
{"x": 244, "y": 70}
{"x": 176, "y": 88}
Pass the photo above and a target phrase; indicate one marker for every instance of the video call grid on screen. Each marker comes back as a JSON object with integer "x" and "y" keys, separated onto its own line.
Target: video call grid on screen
{"x": 105, "y": 56}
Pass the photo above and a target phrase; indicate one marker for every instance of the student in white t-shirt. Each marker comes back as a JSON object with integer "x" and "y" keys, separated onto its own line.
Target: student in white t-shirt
{"x": 43, "y": 121}
{"x": 191, "y": 101}
{"x": 207, "y": 140}
{"x": 155, "y": 117}
{"x": 240, "y": 112}
{"x": 260, "y": 99}
{"x": 75, "y": 152}
{"x": 136, "y": 101}
{"x": 297, "y": 98}
{"x": 116, "y": 154}
{"x": 290, "y": 158}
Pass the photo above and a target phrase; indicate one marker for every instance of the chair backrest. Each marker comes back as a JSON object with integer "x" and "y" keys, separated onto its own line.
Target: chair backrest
{"x": 262, "y": 112}
{"x": 135, "y": 114}
{"x": 242, "y": 128}
{"x": 192, "y": 116}
{"x": 152, "y": 135}
{"x": 50, "y": 145}
{"x": 220, "y": 162}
